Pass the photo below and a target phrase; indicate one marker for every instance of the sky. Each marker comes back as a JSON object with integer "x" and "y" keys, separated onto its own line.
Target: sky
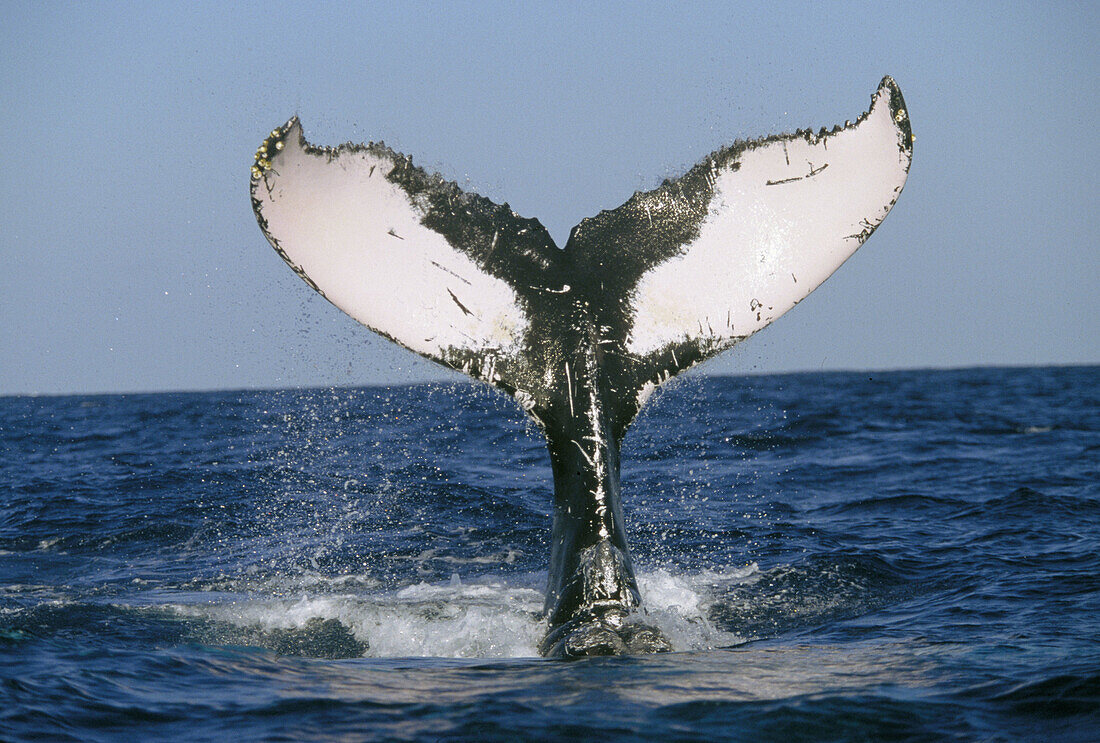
{"x": 132, "y": 261}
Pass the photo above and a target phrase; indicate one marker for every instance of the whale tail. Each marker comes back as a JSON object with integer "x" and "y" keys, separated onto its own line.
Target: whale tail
{"x": 581, "y": 336}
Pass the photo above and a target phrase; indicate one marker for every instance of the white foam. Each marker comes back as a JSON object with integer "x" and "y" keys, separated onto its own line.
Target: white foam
{"x": 476, "y": 618}
{"x": 678, "y": 604}
{"x": 454, "y": 619}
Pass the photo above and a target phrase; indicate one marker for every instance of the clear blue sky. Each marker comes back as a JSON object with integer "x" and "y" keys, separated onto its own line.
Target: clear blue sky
{"x": 131, "y": 259}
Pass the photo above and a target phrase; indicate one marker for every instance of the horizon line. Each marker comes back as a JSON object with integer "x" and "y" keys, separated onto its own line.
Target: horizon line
{"x": 459, "y": 379}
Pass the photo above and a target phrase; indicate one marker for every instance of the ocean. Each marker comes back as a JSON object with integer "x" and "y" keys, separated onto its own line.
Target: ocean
{"x": 907, "y": 555}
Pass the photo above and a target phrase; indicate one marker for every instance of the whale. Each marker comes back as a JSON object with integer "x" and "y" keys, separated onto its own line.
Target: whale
{"x": 581, "y": 335}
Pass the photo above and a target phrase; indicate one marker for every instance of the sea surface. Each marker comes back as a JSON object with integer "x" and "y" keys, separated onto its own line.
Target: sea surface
{"x": 835, "y": 556}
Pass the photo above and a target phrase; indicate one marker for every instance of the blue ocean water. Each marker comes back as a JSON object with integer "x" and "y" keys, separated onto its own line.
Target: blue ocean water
{"x": 835, "y": 556}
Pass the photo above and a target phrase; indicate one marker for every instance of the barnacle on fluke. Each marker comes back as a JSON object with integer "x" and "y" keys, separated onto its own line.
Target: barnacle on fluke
{"x": 270, "y": 146}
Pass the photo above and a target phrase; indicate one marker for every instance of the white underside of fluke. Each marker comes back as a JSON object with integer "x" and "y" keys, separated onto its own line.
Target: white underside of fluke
{"x": 359, "y": 238}
{"x": 779, "y": 225}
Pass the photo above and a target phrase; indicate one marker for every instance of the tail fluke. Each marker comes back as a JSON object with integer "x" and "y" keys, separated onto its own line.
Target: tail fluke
{"x": 708, "y": 259}
{"x": 668, "y": 279}
{"x": 440, "y": 271}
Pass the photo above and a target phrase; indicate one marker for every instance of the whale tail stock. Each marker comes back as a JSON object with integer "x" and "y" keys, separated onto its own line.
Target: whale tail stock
{"x": 581, "y": 336}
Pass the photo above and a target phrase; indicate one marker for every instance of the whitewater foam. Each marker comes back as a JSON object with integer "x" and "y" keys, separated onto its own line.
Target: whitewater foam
{"x": 477, "y": 618}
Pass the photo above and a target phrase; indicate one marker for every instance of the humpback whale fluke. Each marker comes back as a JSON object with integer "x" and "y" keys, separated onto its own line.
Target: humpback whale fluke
{"x": 581, "y": 336}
